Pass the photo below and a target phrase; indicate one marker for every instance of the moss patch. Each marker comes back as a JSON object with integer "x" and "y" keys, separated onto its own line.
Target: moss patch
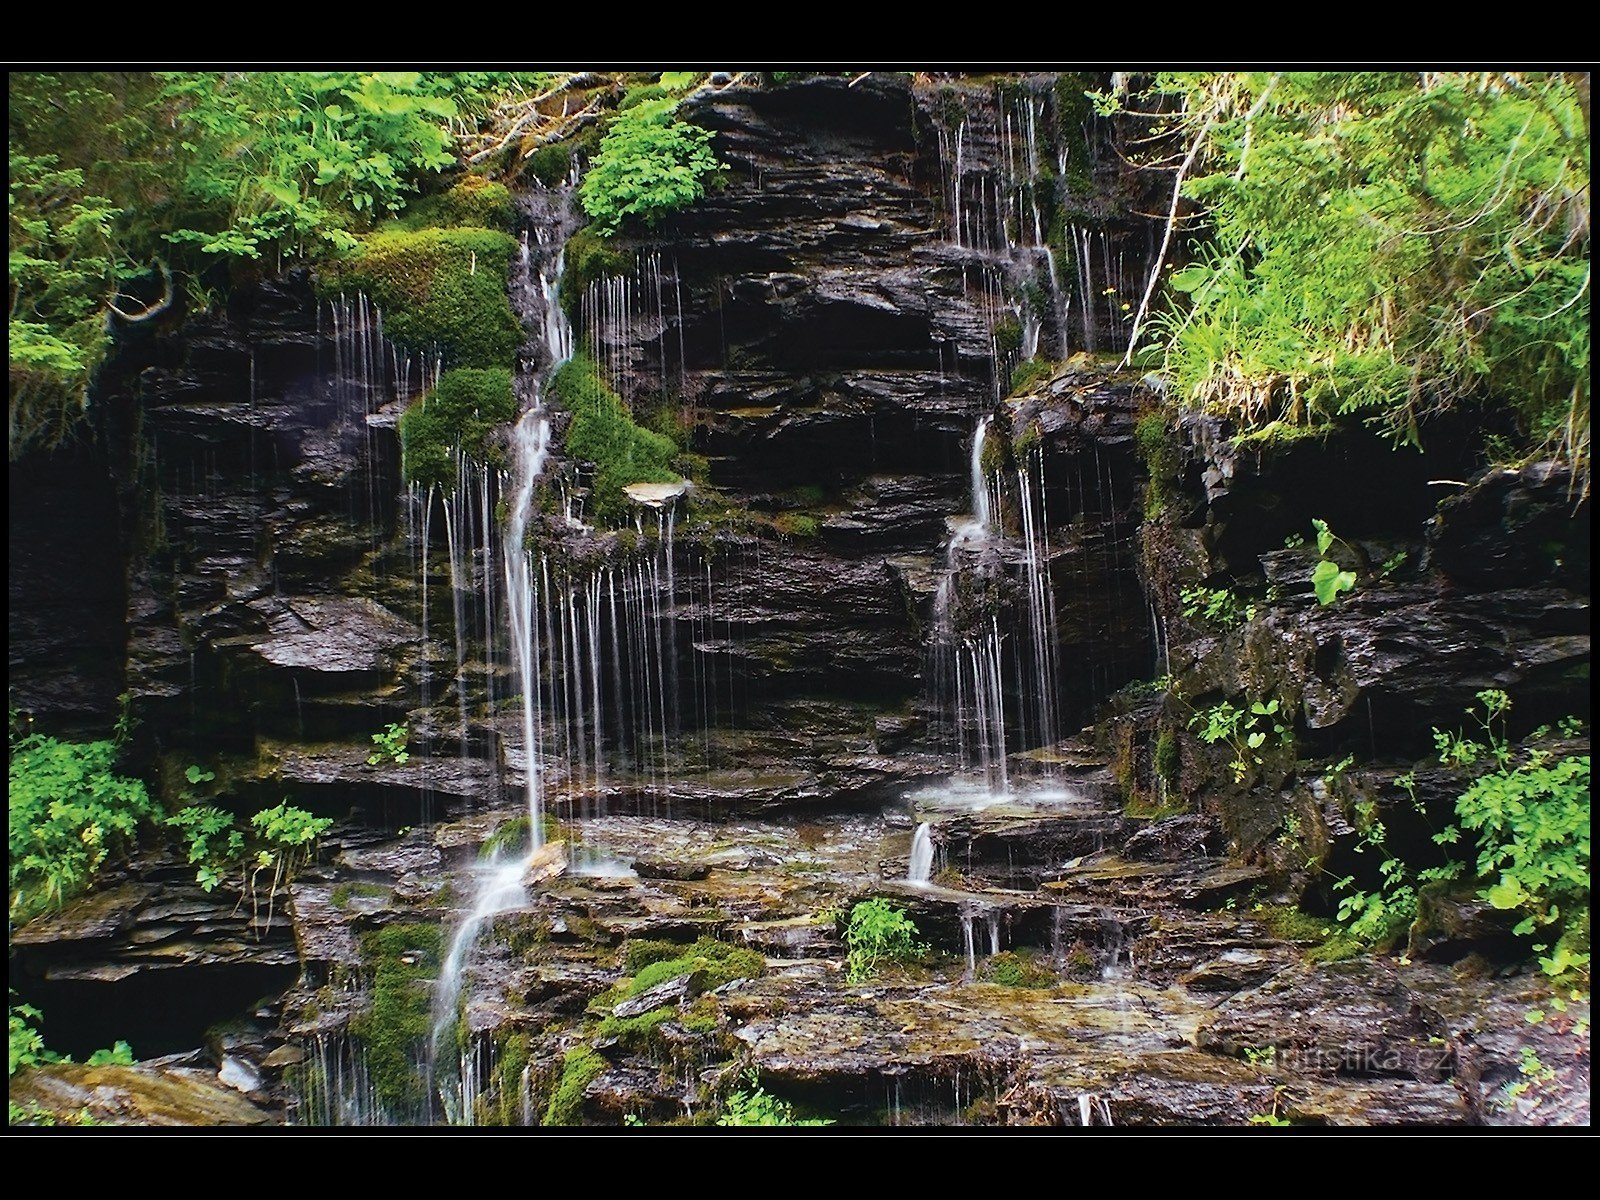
{"x": 587, "y": 259}
{"x": 401, "y": 959}
{"x": 1159, "y": 449}
{"x": 581, "y": 1067}
{"x": 1331, "y": 943}
{"x": 1013, "y": 969}
{"x": 1029, "y": 372}
{"x": 713, "y": 963}
{"x": 603, "y": 434}
{"x": 516, "y": 1052}
{"x": 474, "y": 201}
{"x": 437, "y": 287}
{"x": 461, "y": 412}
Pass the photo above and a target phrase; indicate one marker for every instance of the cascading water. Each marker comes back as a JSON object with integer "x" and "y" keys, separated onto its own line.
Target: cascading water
{"x": 920, "y": 869}
{"x": 971, "y": 648}
{"x": 498, "y": 883}
{"x": 967, "y": 650}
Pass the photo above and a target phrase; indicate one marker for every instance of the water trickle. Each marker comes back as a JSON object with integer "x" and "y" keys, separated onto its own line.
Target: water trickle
{"x": 921, "y": 867}
{"x": 498, "y": 888}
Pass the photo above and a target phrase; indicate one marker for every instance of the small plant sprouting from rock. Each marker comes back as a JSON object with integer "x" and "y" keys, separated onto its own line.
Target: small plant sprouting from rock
{"x": 1217, "y": 607}
{"x": 1328, "y": 579}
{"x": 877, "y": 933}
{"x": 754, "y": 1105}
{"x": 1531, "y": 814}
{"x": 1245, "y": 732}
{"x": 391, "y": 746}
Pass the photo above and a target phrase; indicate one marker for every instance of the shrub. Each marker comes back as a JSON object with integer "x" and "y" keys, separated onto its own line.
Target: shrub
{"x": 877, "y": 933}
{"x": 69, "y": 813}
{"x": 650, "y": 162}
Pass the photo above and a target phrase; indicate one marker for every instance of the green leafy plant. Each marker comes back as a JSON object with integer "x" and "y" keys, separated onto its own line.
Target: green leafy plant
{"x": 754, "y": 1105}
{"x": 27, "y": 1043}
{"x": 1328, "y": 579}
{"x": 391, "y": 745}
{"x": 285, "y": 839}
{"x": 69, "y": 812}
{"x": 1531, "y": 816}
{"x": 212, "y": 842}
{"x": 1217, "y": 607}
{"x": 1384, "y": 244}
{"x": 650, "y": 162}
{"x": 878, "y": 932}
{"x": 1244, "y": 731}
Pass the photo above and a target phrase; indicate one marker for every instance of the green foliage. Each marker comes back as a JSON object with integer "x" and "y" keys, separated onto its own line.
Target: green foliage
{"x": 1217, "y": 607}
{"x": 117, "y": 174}
{"x": 438, "y": 288}
{"x": 1029, "y": 372}
{"x": 27, "y": 1043}
{"x": 581, "y": 1067}
{"x": 391, "y": 744}
{"x": 120, "y": 1055}
{"x": 213, "y": 845}
{"x": 296, "y": 160}
{"x": 1531, "y": 814}
{"x": 1387, "y": 244}
{"x": 603, "y": 434}
{"x": 401, "y": 959}
{"x": 69, "y": 813}
{"x": 457, "y": 416}
{"x": 878, "y": 933}
{"x": 283, "y": 839}
{"x": 650, "y": 162}
{"x": 28, "y": 1048}
{"x": 1328, "y": 579}
{"x": 63, "y": 268}
{"x": 1244, "y": 731}
{"x": 754, "y": 1105}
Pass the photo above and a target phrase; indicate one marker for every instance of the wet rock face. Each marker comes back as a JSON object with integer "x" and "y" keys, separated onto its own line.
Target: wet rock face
{"x": 66, "y": 593}
{"x": 258, "y": 495}
{"x": 153, "y": 961}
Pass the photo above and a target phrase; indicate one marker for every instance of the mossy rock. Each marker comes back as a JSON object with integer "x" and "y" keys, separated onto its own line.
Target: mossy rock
{"x": 552, "y": 164}
{"x": 473, "y": 201}
{"x": 401, "y": 960}
{"x": 459, "y": 413}
{"x": 603, "y": 434}
{"x": 443, "y": 288}
{"x": 587, "y": 258}
{"x": 581, "y": 1067}
{"x": 714, "y": 963}
{"x": 1017, "y": 970}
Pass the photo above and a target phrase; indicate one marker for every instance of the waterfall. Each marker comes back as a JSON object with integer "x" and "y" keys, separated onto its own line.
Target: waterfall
{"x": 920, "y": 870}
{"x": 967, "y": 652}
{"x": 498, "y": 885}
{"x": 498, "y": 888}
{"x": 973, "y": 654}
